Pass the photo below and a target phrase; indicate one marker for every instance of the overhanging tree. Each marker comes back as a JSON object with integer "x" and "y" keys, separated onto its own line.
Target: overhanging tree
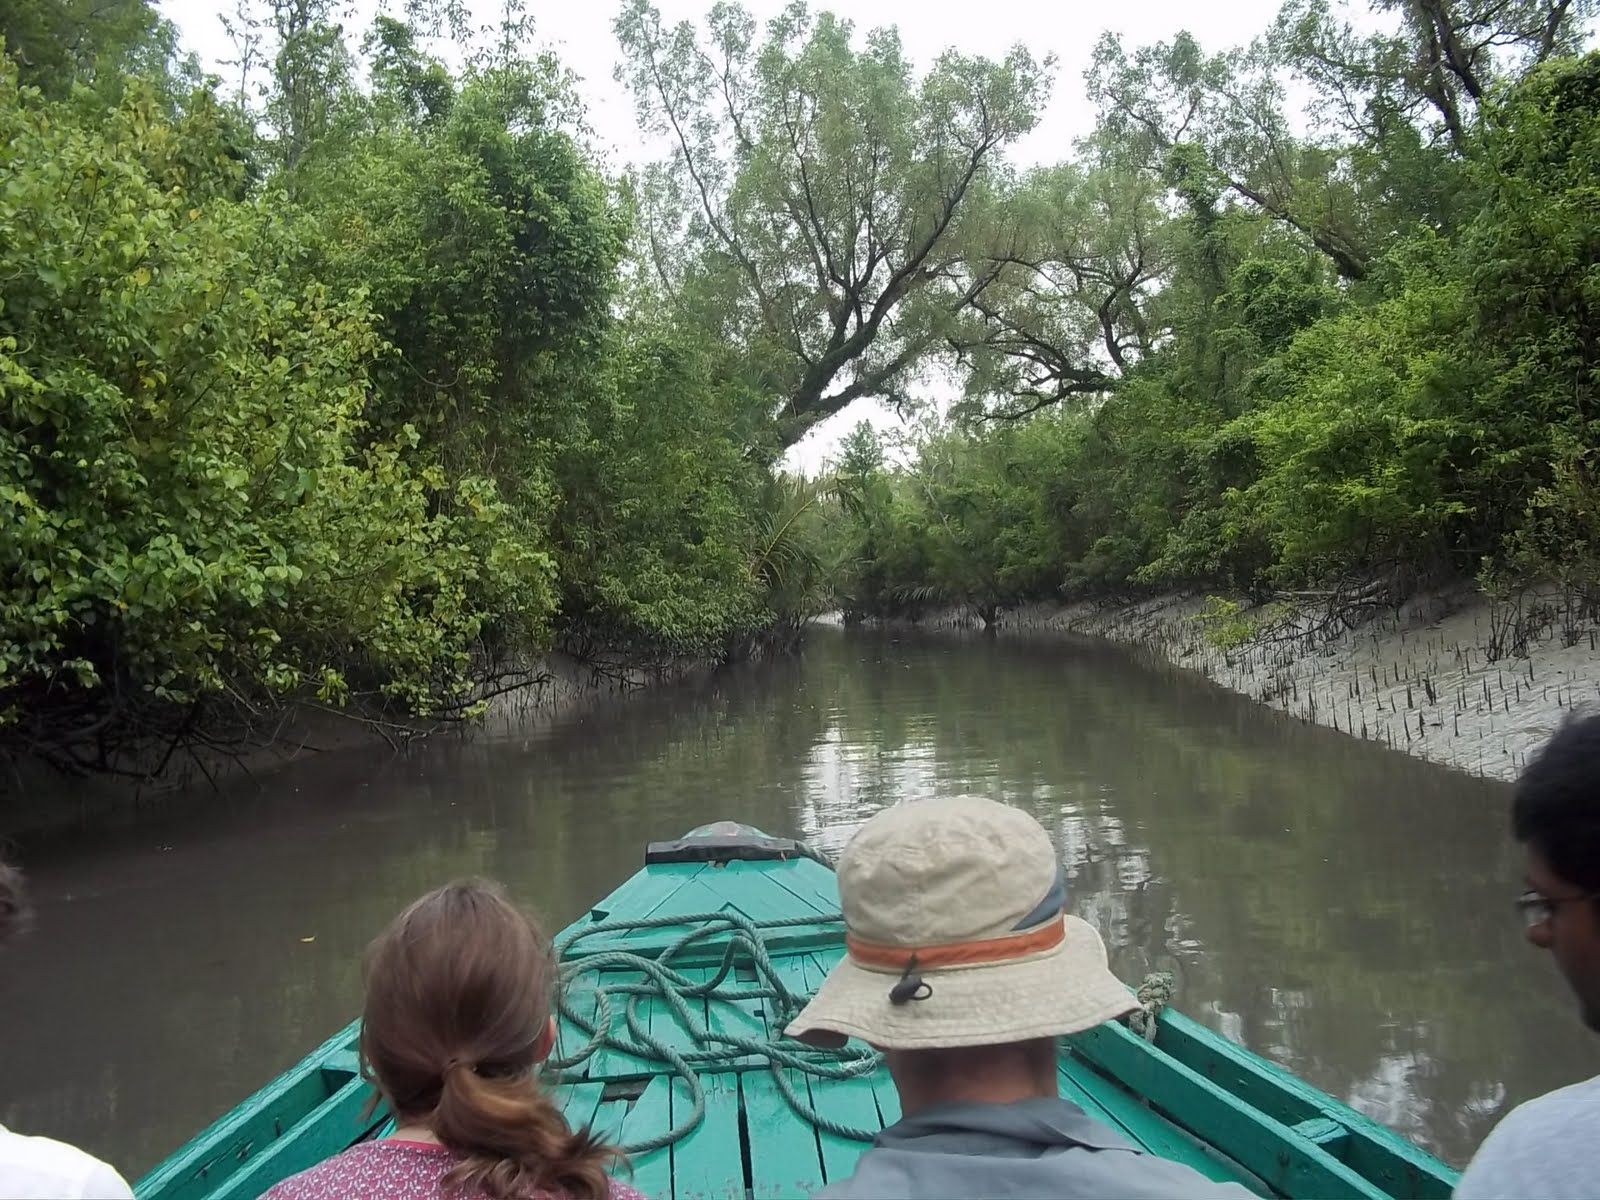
{"x": 1164, "y": 99}
{"x": 1073, "y": 257}
{"x": 813, "y": 210}
{"x": 1396, "y": 109}
{"x": 1434, "y": 67}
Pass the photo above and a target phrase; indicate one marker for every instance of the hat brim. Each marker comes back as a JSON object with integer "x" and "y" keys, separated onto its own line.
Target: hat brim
{"x": 1066, "y": 989}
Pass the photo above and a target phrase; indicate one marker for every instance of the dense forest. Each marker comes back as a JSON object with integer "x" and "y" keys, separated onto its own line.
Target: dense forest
{"x": 1220, "y": 352}
{"x": 353, "y": 379}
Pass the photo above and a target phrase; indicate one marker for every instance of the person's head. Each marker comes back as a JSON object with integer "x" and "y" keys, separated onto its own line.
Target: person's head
{"x": 1556, "y": 816}
{"x": 961, "y": 961}
{"x": 460, "y": 991}
{"x": 14, "y": 911}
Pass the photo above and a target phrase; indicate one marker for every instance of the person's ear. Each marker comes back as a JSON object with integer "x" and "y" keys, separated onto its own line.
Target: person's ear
{"x": 547, "y": 1041}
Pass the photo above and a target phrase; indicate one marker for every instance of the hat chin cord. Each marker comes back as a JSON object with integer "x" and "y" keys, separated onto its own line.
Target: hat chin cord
{"x": 911, "y": 986}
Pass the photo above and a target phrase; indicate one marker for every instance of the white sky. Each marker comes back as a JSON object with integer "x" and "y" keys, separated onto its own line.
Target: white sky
{"x": 580, "y": 32}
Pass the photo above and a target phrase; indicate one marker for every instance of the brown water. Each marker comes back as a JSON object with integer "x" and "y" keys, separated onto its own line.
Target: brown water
{"x": 1340, "y": 908}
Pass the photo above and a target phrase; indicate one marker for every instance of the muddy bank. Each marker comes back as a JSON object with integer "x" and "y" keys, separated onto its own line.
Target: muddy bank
{"x": 37, "y": 802}
{"x": 1448, "y": 676}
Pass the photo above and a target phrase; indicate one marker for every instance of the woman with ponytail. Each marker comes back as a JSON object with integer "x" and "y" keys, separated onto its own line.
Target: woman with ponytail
{"x": 460, "y": 991}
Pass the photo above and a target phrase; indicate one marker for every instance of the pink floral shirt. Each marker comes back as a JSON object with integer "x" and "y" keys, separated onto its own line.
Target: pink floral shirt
{"x": 389, "y": 1170}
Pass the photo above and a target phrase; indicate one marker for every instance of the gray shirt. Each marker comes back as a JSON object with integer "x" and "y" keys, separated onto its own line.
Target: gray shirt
{"x": 1547, "y": 1148}
{"x": 1032, "y": 1148}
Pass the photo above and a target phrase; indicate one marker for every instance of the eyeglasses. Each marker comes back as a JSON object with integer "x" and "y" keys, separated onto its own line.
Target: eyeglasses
{"x": 1537, "y": 908}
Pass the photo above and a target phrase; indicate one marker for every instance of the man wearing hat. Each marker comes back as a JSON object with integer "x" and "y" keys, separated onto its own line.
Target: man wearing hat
{"x": 963, "y": 967}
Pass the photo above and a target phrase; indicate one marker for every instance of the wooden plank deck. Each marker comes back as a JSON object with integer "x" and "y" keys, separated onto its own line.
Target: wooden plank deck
{"x": 750, "y": 1141}
{"x": 854, "y": 1102}
{"x": 708, "y": 1164}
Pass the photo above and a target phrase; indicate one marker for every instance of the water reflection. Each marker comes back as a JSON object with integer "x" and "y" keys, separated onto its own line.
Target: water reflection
{"x": 1340, "y": 908}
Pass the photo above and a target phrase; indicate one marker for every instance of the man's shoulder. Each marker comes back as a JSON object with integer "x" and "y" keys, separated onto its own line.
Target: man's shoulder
{"x": 1069, "y": 1173}
{"x": 44, "y": 1167}
{"x": 1575, "y": 1104}
{"x": 1540, "y": 1146}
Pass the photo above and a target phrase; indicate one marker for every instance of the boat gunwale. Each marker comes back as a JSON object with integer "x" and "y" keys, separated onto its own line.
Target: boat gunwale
{"x": 171, "y": 1176}
{"x": 1187, "y": 1041}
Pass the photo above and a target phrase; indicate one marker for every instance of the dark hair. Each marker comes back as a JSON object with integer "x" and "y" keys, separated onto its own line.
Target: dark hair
{"x": 1556, "y": 809}
{"x": 460, "y": 988}
{"x": 15, "y": 912}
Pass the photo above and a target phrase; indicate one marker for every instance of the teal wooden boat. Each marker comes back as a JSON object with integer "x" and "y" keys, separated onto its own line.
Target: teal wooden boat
{"x": 670, "y": 1042}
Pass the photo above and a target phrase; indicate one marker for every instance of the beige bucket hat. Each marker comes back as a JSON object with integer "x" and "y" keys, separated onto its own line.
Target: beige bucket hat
{"x": 957, "y": 935}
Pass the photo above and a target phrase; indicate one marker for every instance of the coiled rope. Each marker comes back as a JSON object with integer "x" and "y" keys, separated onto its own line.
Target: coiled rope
{"x": 1154, "y": 994}
{"x": 593, "y": 1008}
{"x": 654, "y": 977}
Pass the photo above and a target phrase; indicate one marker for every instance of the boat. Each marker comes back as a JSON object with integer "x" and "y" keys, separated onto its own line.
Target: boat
{"x": 677, "y": 987}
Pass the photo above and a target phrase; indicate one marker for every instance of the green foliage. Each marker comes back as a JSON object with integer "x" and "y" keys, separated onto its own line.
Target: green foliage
{"x": 1533, "y": 249}
{"x": 1066, "y": 263}
{"x": 346, "y": 410}
{"x": 490, "y": 247}
{"x": 1559, "y": 539}
{"x": 790, "y": 552}
{"x": 1225, "y": 624}
{"x": 1353, "y": 445}
{"x": 1435, "y": 418}
{"x": 971, "y": 523}
{"x": 819, "y": 192}
{"x": 56, "y": 45}
{"x": 488, "y": 244}
{"x": 1534, "y": 302}
{"x": 193, "y": 501}
{"x": 659, "y": 519}
{"x": 368, "y": 380}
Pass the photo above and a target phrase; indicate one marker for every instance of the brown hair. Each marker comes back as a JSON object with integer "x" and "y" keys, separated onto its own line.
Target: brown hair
{"x": 15, "y": 914}
{"x": 460, "y": 989}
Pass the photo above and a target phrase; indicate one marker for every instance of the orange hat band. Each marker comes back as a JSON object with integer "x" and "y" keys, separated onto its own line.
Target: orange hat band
{"x": 956, "y": 954}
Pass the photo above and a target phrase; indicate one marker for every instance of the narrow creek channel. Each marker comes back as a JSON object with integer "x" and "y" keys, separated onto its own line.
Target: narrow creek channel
{"x": 1340, "y": 908}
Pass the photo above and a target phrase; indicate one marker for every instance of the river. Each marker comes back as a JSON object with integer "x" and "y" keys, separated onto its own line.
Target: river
{"x": 1338, "y": 907}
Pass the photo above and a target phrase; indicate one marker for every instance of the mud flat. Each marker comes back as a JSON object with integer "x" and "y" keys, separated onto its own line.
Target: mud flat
{"x": 1449, "y": 676}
